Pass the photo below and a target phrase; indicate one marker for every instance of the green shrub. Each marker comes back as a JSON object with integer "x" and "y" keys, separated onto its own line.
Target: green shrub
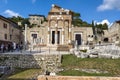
{"x": 85, "y": 50}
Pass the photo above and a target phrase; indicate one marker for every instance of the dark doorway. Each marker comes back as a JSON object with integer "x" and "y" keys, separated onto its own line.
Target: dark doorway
{"x": 53, "y": 37}
{"x": 58, "y": 38}
{"x": 78, "y": 38}
{"x": 106, "y": 39}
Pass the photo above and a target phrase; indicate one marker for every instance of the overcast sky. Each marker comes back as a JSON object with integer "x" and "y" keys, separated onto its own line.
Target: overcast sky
{"x": 99, "y": 10}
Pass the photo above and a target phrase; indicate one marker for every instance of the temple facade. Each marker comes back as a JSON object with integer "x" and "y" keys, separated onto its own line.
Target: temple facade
{"x": 58, "y": 30}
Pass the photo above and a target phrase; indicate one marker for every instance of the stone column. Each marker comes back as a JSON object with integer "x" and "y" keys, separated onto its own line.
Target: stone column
{"x": 56, "y": 35}
{"x": 69, "y": 34}
{"x": 63, "y": 36}
{"x": 69, "y": 31}
{"x": 48, "y": 35}
{"x": 25, "y": 41}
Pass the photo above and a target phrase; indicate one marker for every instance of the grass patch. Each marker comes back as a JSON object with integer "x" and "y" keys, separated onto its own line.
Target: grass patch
{"x": 23, "y": 74}
{"x": 70, "y": 62}
{"x": 79, "y": 73}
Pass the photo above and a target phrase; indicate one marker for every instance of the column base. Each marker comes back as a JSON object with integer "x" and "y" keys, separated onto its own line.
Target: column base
{"x": 69, "y": 41}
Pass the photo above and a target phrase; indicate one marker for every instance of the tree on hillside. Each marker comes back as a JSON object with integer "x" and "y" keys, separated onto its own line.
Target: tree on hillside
{"x": 85, "y": 24}
{"x": 105, "y": 26}
{"x": 25, "y": 21}
{"x": 77, "y": 21}
{"x": 16, "y": 19}
{"x": 100, "y": 30}
{"x": 22, "y": 20}
{"x": 94, "y": 30}
{"x": 101, "y": 27}
{"x": 93, "y": 27}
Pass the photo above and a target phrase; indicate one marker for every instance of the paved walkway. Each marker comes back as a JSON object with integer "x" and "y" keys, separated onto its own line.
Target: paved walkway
{"x": 38, "y": 51}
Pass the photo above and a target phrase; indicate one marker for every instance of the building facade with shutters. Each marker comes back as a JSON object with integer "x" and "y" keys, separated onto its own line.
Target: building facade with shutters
{"x": 9, "y": 31}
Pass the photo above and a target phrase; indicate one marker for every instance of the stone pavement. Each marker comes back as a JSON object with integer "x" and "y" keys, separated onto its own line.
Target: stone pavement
{"x": 37, "y": 51}
{"x": 42, "y": 77}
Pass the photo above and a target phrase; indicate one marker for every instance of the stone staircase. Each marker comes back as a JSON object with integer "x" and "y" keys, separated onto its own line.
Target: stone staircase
{"x": 63, "y": 48}
{"x": 53, "y": 48}
{"x": 50, "y": 47}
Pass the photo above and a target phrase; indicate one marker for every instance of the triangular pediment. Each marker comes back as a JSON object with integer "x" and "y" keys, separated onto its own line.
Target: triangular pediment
{"x": 56, "y": 8}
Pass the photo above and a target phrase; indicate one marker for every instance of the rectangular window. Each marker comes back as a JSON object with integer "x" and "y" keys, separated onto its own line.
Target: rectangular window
{"x": 33, "y": 18}
{"x": 10, "y": 37}
{"x": 34, "y": 36}
{"x": 37, "y": 18}
{"x": 5, "y": 25}
{"x": 5, "y": 36}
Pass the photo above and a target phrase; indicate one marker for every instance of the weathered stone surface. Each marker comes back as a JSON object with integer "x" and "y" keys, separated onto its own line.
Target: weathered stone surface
{"x": 76, "y": 78}
{"x": 100, "y": 51}
{"x": 46, "y": 62}
{"x": 84, "y": 55}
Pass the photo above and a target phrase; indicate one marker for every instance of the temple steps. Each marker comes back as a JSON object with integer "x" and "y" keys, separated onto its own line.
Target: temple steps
{"x": 63, "y": 48}
{"x": 53, "y": 48}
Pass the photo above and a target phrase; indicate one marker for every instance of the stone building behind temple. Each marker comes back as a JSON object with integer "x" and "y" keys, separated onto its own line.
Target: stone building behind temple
{"x": 36, "y": 20}
{"x": 114, "y": 32}
{"x": 58, "y": 30}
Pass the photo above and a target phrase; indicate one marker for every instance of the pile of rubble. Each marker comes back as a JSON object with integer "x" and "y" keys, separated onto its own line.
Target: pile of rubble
{"x": 99, "y": 51}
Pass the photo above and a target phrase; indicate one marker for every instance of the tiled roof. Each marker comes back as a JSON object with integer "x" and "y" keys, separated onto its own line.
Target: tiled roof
{"x": 36, "y": 15}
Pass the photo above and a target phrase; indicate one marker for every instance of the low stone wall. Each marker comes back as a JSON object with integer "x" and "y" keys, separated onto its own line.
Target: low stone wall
{"x": 76, "y": 78}
{"x": 99, "y": 51}
{"x": 46, "y": 62}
